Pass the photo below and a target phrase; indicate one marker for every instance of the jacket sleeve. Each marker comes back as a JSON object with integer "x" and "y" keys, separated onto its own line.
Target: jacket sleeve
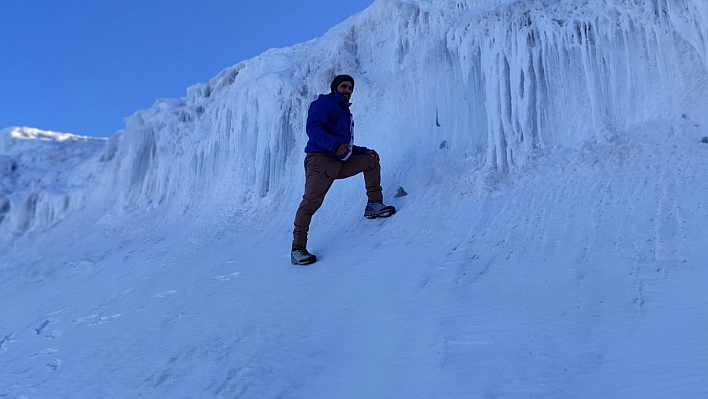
{"x": 357, "y": 149}
{"x": 316, "y": 127}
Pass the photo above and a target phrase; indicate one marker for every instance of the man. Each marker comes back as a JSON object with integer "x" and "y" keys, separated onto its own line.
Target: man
{"x": 331, "y": 155}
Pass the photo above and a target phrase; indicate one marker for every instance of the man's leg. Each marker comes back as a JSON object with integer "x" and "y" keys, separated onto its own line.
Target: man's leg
{"x": 319, "y": 176}
{"x": 372, "y": 174}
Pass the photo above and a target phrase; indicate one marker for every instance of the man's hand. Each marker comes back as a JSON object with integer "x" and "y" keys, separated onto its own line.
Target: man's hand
{"x": 374, "y": 154}
{"x": 342, "y": 149}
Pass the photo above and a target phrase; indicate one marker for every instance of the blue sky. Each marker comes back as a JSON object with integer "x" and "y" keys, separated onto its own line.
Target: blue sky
{"x": 81, "y": 66}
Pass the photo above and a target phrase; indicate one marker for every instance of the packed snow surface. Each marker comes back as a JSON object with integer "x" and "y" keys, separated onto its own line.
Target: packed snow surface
{"x": 551, "y": 245}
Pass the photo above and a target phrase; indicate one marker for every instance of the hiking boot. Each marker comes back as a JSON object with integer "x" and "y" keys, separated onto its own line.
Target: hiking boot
{"x": 300, "y": 256}
{"x": 377, "y": 209}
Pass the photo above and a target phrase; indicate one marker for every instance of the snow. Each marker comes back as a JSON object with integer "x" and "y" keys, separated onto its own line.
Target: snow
{"x": 551, "y": 244}
{"x": 43, "y": 179}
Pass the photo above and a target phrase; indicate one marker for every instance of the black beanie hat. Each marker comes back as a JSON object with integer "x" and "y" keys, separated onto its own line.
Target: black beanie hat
{"x": 339, "y": 79}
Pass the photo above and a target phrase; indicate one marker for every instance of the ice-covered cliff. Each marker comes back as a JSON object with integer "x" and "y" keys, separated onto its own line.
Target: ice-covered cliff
{"x": 44, "y": 177}
{"x": 489, "y": 84}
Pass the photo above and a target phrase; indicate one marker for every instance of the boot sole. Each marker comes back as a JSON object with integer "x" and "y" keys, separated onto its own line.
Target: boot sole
{"x": 383, "y": 214}
{"x": 303, "y": 262}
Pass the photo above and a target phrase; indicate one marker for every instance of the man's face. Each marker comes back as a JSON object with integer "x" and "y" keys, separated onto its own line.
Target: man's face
{"x": 346, "y": 88}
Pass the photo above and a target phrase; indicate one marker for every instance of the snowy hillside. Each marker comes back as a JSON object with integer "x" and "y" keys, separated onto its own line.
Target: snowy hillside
{"x": 551, "y": 245}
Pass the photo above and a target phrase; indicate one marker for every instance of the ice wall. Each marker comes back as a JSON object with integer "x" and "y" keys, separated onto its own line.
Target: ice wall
{"x": 495, "y": 82}
{"x": 514, "y": 78}
{"x": 505, "y": 78}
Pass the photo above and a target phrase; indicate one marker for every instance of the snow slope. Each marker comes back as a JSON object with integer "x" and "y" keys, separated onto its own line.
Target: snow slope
{"x": 551, "y": 245}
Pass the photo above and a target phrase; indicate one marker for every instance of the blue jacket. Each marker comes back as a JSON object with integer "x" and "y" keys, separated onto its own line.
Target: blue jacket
{"x": 329, "y": 124}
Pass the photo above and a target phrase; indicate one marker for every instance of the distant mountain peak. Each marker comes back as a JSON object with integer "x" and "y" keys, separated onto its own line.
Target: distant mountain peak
{"x": 31, "y": 133}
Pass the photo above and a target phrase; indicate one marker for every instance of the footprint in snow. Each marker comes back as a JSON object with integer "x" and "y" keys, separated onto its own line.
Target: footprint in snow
{"x": 47, "y": 351}
{"x": 227, "y": 278}
{"x": 52, "y": 334}
{"x": 106, "y": 319}
{"x": 164, "y": 294}
{"x": 41, "y": 327}
{"x": 54, "y": 365}
{"x": 4, "y": 341}
{"x": 96, "y": 319}
{"x": 84, "y": 319}
{"x": 40, "y": 330}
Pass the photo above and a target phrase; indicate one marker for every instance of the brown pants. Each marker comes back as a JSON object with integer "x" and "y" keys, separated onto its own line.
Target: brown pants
{"x": 321, "y": 171}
